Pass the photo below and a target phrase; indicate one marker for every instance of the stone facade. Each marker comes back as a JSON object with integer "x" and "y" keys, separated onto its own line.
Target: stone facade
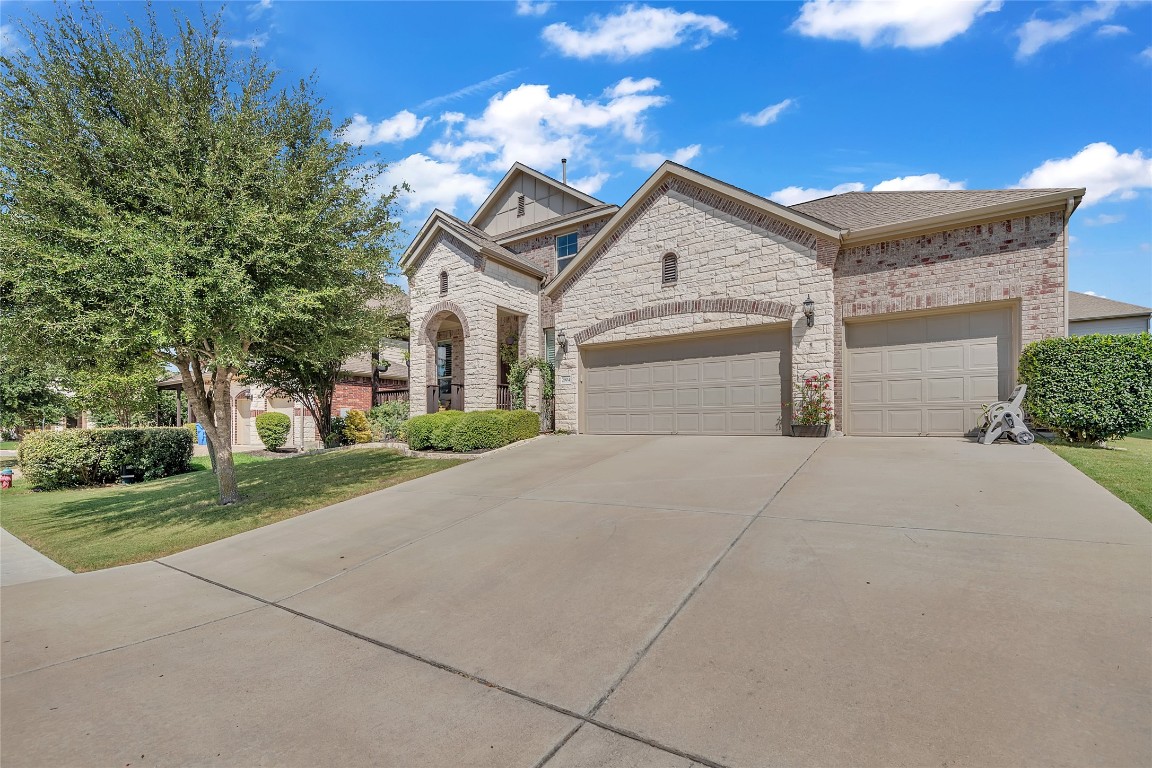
{"x": 1020, "y": 261}
{"x": 731, "y": 254}
{"x": 480, "y": 290}
{"x": 741, "y": 264}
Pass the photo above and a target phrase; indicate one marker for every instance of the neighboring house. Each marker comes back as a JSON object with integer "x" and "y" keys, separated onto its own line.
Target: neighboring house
{"x": 683, "y": 311}
{"x": 1096, "y": 314}
{"x": 354, "y": 391}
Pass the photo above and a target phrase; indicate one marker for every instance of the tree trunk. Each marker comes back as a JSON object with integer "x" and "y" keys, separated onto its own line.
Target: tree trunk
{"x": 212, "y": 401}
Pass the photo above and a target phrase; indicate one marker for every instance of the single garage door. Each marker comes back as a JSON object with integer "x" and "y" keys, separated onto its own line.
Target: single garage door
{"x": 926, "y": 375}
{"x": 716, "y": 385}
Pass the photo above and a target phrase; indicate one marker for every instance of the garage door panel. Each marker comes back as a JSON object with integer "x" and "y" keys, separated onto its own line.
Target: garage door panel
{"x": 942, "y": 390}
{"x": 904, "y": 360}
{"x": 944, "y": 358}
{"x": 725, "y": 384}
{"x": 949, "y": 364}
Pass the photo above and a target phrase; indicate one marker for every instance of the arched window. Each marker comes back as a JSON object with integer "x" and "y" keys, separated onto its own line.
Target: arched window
{"x": 443, "y": 283}
{"x": 668, "y": 269}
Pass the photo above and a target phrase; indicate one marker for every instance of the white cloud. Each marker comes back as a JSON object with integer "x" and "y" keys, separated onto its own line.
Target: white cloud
{"x": 590, "y": 185}
{"x": 533, "y": 7}
{"x": 452, "y": 117}
{"x": 467, "y": 90}
{"x": 634, "y": 31}
{"x": 1036, "y": 33}
{"x": 927, "y": 181}
{"x": 769, "y": 114}
{"x": 629, "y": 86}
{"x": 435, "y": 184}
{"x": 1106, "y": 173}
{"x": 898, "y": 23}
{"x": 651, "y": 160}
{"x": 530, "y": 125}
{"x": 256, "y": 10}
{"x": 1104, "y": 219}
{"x": 794, "y": 195}
{"x": 1146, "y": 54}
{"x": 252, "y": 41}
{"x": 1112, "y": 30}
{"x": 1093, "y": 293}
{"x": 401, "y": 126}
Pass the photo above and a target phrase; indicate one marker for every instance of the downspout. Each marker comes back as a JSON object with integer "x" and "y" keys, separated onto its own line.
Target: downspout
{"x": 1068, "y": 209}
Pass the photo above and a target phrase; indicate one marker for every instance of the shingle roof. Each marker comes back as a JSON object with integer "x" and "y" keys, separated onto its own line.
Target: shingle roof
{"x": 604, "y": 209}
{"x": 856, "y": 210}
{"x": 478, "y": 236}
{"x": 1084, "y": 306}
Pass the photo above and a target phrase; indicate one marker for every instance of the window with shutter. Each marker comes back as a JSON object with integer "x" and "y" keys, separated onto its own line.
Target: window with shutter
{"x": 443, "y": 283}
{"x": 668, "y": 271}
{"x": 550, "y": 345}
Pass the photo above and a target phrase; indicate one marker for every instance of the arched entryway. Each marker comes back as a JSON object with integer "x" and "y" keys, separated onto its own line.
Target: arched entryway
{"x": 445, "y": 332}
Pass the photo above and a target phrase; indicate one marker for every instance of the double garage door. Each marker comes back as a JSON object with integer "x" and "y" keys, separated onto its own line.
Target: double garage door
{"x": 727, "y": 384}
{"x": 926, "y": 375}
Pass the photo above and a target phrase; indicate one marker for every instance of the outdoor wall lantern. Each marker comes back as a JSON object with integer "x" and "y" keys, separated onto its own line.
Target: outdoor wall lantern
{"x": 810, "y": 310}
{"x": 561, "y": 340}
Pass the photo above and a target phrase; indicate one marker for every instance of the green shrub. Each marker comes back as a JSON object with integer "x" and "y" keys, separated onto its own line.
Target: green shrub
{"x": 1089, "y": 388}
{"x": 386, "y": 419}
{"x": 335, "y": 438}
{"x": 273, "y": 428}
{"x": 480, "y": 429}
{"x": 356, "y": 429}
{"x": 76, "y": 457}
{"x": 471, "y": 431}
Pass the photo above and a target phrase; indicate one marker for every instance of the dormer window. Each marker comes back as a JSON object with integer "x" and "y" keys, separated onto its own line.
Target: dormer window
{"x": 565, "y": 250}
{"x": 443, "y": 283}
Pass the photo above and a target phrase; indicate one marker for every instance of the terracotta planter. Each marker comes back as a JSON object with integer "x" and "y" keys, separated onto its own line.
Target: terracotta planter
{"x": 809, "y": 430}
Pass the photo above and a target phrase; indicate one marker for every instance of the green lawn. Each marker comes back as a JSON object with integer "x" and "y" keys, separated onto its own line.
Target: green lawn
{"x": 101, "y": 527}
{"x": 9, "y": 445}
{"x": 1127, "y": 473}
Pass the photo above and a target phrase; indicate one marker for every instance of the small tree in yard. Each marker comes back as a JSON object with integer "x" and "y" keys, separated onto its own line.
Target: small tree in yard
{"x": 164, "y": 199}
{"x": 120, "y": 398}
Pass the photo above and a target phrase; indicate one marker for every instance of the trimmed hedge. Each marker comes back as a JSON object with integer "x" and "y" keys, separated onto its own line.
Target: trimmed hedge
{"x": 273, "y": 428}
{"x": 1089, "y": 388}
{"x": 77, "y": 457}
{"x": 471, "y": 431}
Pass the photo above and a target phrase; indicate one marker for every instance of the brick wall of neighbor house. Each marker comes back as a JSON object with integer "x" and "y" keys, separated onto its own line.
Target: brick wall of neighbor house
{"x": 476, "y": 287}
{"x": 541, "y": 251}
{"x": 725, "y": 251}
{"x": 1019, "y": 260}
{"x": 353, "y": 392}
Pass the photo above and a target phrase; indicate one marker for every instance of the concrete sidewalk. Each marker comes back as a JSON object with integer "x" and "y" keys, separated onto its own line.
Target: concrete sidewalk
{"x": 605, "y": 601}
{"x": 19, "y": 563}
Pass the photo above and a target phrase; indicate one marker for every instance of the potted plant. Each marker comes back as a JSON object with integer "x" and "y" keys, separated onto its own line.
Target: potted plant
{"x": 812, "y": 410}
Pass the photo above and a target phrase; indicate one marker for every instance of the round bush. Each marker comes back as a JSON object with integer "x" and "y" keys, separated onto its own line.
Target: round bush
{"x": 1089, "y": 388}
{"x": 273, "y": 428}
{"x": 356, "y": 429}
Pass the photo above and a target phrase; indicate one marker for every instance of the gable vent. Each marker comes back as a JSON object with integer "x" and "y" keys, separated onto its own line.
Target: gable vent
{"x": 668, "y": 270}
{"x": 520, "y": 205}
{"x": 443, "y": 283}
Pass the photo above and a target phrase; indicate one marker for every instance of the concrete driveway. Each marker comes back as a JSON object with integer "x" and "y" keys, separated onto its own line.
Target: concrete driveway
{"x": 621, "y": 601}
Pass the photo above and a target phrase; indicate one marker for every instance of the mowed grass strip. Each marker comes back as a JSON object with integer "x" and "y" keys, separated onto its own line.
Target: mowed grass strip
{"x": 94, "y": 528}
{"x": 1126, "y": 473}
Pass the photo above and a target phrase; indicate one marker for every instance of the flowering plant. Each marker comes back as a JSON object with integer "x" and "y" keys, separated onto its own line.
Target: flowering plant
{"x": 812, "y": 405}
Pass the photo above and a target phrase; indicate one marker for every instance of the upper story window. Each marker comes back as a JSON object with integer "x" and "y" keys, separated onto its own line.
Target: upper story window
{"x": 443, "y": 283}
{"x": 668, "y": 269}
{"x": 565, "y": 250}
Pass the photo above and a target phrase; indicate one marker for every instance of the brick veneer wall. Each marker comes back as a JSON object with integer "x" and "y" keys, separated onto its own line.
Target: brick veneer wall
{"x": 726, "y": 251}
{"x": 478, "y": 287}
{"x": 1021, "y": 260}
{"x": 353, "y": 392}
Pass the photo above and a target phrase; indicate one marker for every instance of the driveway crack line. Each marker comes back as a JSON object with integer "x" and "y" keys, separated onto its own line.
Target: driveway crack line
{"x": 462, "y": 673}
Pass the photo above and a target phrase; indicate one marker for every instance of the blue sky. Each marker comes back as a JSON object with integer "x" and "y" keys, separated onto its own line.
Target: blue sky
{"x": 788, "y": 100}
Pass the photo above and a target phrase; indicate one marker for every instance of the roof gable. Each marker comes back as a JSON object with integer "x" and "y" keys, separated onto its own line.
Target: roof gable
{"x": 544, "y": 198}
{"x": 602, "y": 239}
{"x": 439, "y": 221}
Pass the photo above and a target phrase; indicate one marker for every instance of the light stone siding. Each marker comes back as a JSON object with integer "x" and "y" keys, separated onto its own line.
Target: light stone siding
{"x": 477, "y": 287}
{"x": 724, "y": 252}
{"x": 1020, "y": 260}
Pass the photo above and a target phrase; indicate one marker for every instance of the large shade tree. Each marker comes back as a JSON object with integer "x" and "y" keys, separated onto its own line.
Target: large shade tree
{"x": 163, "y": 197}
